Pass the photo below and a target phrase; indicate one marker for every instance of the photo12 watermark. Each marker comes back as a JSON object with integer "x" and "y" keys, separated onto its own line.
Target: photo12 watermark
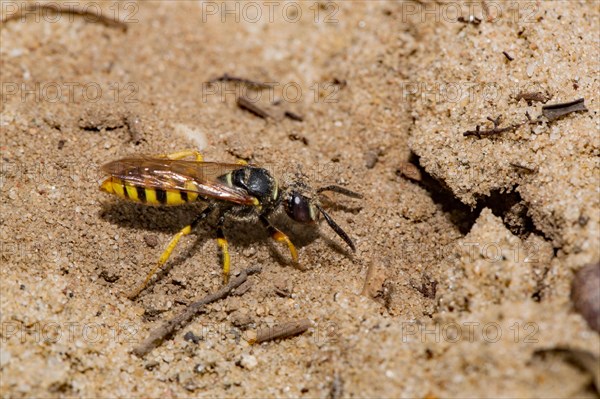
{"x": 470, "y": 331}
{"x": 110, "y": 12}
{"x": 253, "y": 12}
{"x": 67, "y": 332}
{"x": 439, "y": 92}
{"x": 271, "y": 92}
{"x": 69, "y": 92}
{"x": 472, "y": 11}
{"x": 472, "y": 251}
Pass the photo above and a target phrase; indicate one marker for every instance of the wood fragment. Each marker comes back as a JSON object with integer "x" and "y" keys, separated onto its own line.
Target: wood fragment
{"x": 523, "y": 167}
{"x": 165, "y": 331}
{"x": 491, "y": 132}
{"x": 67, "y": 8}
{"x": 293, "y": 116}
{"x": 281, "y": 331}
{"x": 252, "y": 84}
{"x": 533, "y": 96}
{"x": 427, "y": 286}
{"x": 242, "y": 289}
{"x": 341, "y": 83}
{"x": 555, "y": 111}
{"x": 297, "y": 137}
{"x": 249, "y": 106}
{"x": 508, "y": 56}
{"x": 376, "y": 276}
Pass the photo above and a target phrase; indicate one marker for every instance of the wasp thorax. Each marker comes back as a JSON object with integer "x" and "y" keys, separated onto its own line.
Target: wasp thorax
{"x": 258, "y": 182}
{"x": 300, "y": 208}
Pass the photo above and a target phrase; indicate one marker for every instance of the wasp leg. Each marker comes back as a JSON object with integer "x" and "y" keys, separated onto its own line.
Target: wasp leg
{"x": 242, "y": 162}
{"x": 223, "y": 246}
{"x": 167, "y": 252}
{"x": 183, "y": 154}
{"x": 279, "y": 236}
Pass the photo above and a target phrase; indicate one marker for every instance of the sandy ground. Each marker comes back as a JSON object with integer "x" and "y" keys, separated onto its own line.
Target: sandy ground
{"x": 460, "y": 285}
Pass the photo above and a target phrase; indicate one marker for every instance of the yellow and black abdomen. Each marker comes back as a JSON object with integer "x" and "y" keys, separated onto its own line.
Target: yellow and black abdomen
{"x": 147, "y": 195}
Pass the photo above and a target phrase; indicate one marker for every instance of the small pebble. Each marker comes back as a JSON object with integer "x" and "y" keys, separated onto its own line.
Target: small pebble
{"x": 409, "y": 171}
{"x": 4, "y": 357}
{"x": 200, "y": 368}
{"x": 191, "y": 337}
{"x": 531, "y": 69}
{"x": 248, "y": 362}
{"x": 585, "y": 294}
{"x": 371, "y": 158}
{"x": 282, "y": 287}
{"x": 240, "y": 319}
{"x": 151, "y": 240}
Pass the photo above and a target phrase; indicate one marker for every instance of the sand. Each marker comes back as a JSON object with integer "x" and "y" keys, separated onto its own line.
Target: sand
{"x": 466, "y": 246}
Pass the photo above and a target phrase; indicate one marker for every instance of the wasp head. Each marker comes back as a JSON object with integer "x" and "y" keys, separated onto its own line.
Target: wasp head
{"x": 302, "y": 205}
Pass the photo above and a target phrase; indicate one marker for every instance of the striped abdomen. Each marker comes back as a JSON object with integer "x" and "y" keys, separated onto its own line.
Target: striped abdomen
{"x": 146, "y": 195}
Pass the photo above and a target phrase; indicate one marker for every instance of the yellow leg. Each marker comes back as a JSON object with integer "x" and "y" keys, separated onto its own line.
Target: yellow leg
{"x": 279, "y": 236}
{"x": 222, "y": 242}
{"x": 242, "y": 162}
{"x": 162, "y": 260}
{"x": 167, "y": 252}
{"x": 183, "y": 154}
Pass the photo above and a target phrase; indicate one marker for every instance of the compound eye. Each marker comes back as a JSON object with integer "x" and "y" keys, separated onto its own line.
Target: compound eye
{"x": 300, "y": 209}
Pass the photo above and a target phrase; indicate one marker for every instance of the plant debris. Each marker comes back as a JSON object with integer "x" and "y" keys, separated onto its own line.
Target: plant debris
{"x": 293, "y": 116}
{"x": 251, "y": 107}
{"x": 493, "y": 131}
{"x": 508, "y": 56}
{"x": 297, "y": 137}
{"x": 536, "y": 96}
{"x": 282, "y": 331}
{"x": 341, "y": 83}
{"x": 523, "y": 167}
{"x": 555, "y": 111}
{"x": 252, "y": 84}
{"x": 165, "y": 331}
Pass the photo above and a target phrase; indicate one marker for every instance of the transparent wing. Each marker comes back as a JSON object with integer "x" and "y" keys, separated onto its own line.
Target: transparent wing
{"x": 203, "y": 178}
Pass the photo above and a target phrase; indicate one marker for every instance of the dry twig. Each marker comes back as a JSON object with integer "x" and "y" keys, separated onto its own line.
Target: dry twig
{"x": 284, "y": 330}
{"x": 167, "y": 330}
{"x": 249, "y": 106}
{"x": 252, "y": 84}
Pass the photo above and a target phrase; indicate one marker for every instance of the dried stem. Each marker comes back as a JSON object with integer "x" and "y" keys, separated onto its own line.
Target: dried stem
{"x": 157, "y": 336}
